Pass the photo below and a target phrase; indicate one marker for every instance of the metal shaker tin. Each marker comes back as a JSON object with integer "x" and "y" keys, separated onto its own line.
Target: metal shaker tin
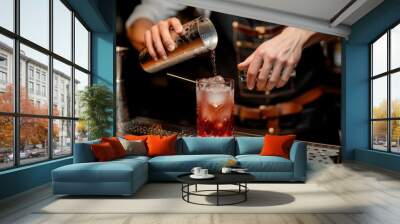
{"x": 199, "y": 37}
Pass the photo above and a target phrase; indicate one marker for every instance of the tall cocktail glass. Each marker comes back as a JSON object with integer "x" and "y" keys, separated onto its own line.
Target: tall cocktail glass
{"x": 215, "y": 104}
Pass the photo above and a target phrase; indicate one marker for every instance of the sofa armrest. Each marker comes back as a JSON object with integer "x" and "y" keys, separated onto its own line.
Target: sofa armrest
{"x": 298, "y": 155}
{"x": 83, "y": 152}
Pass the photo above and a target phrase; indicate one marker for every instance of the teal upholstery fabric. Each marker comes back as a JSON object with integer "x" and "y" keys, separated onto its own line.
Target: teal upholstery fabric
{"x": 274, "y": 176}
{"x": 94, "y": 172}
{"x": 90, "y": 188}
{"x": 83, "y": 152}
{"x": 249, "y": 145}
{"x": 185, "y": 163}
{"x": 208, "y": 145}
{"x": 257, "y": 163}
{"x": 298, "y": 155}
{"x": 126, "y": 175}
{"x": 128, "y": 159}
{"x": 119, "y": 177}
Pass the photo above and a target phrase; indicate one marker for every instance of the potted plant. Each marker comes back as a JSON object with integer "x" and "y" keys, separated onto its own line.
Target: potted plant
{"x": 96, "y": 104}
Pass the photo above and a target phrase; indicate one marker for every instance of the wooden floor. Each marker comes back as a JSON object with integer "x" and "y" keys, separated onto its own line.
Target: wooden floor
{"x": 377, "y": 188}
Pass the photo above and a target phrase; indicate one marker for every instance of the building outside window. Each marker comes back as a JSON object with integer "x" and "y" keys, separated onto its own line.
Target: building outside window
{"x": 55, "y": 97}
{"x": 3, "y": 78}
{"x": 57, "y": 127}
{"x": 385, "y": 92}
{"x": 37, "y": 75}
{"x": 30, "y": 87}
{"x": 30, "y": 72}
{"x": 3, "y": 72}
{"x": 44, "y": 78}
{"x": 3, "y": 81}
{"x": 43, "y": 90}
{"x": 3, "y": 60}
{"x": 38, "y": 89}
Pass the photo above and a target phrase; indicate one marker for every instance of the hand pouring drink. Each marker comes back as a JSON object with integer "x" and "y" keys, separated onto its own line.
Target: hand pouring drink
{"x": 199, "y": 36}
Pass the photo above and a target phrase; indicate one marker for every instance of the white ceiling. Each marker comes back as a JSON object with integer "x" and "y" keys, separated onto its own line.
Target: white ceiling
{"x": 325, "y": 16}
{"x": 320, "y": 9}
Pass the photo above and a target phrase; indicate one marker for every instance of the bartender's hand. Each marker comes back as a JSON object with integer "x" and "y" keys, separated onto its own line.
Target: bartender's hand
{"x": 158, "y": 39}
{"x": 273, "y": 62}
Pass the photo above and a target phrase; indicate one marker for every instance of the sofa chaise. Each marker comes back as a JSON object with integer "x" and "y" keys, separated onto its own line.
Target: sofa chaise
{"x": 125, "y": 176}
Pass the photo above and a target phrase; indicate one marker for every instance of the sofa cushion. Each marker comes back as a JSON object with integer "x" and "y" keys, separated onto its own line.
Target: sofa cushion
{"x": 161, "y": 145}
{"x": 103, "y": 152}
{"x": 133, "y": 157}
{"x": 112, "y": 171}
{"x": 116, "y": 145}
{"x": 277, "y": 145}
{"x": 249, "y": 145}
{"x": 83, "y": 153}
{"x": 257, "y": 163}
{"x": 134, "y": 147}
{"x": 185, "y": 163}
{"x": 207, "y": 145}
{"x": 136, "y": 137}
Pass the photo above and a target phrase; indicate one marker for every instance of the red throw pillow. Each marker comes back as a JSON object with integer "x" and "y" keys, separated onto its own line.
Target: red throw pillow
{"x": 277, "y": 145}
{"x": 116, "y": 145}
{"x": 136, "y": 137}
{"x": 103, "y": 152}
{"x": 161, "y": 145}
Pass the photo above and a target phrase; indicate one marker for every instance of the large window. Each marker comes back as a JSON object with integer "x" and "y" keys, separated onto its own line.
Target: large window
{"x": 44, "y": 64}
{"x": 385, "y": 91}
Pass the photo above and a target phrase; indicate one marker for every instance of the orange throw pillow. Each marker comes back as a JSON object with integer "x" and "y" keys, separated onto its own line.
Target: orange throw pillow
{"x": 276, "y": 145}
{"x": 135, "y": 137}
{"x": 161, "y": 145}
{"x": 116, "y": 145}
{"x": 103, "y": 152}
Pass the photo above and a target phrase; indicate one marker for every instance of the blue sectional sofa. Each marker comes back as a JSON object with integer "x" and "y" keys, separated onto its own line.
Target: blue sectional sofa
{"x": 125, "y": 176}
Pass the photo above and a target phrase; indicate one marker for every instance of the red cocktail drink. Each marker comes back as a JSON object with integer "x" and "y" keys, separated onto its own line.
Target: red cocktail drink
{"x": 215, "y": 103}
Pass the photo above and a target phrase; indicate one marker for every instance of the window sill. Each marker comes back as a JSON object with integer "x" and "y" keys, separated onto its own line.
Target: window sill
{"x": 30, "y": 166}
{"x": 381, "y": 159}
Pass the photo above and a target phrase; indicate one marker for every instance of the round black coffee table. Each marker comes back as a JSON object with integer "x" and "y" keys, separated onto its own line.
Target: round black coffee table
{"x": 238, "y": 179}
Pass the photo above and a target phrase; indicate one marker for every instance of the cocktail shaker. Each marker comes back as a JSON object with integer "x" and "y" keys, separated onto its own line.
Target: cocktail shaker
{"x": 199, "y": 36}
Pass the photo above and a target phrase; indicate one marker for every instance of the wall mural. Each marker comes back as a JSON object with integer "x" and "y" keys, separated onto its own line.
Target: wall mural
{"x": 196, "y": 72}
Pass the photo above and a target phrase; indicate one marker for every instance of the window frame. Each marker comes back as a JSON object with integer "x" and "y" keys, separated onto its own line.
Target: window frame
{"x": 388, "y": 74}
{"x": 16, "y": 114}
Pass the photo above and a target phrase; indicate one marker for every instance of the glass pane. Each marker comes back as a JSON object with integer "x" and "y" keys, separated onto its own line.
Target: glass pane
{"x": 379, "y": 97}
{"x": 62, "y": 29}
{"x": 34, "y": 96}
{"x": 379, "y": 55}
{"x": 81, "y": 131}
{"x": 62, "y": 138}
{"x": 395, "y": 136}
{"x": 33, "y": 139}
{"x": 62, "y": 89}
{"x": 35, "y": 21}
{"x": 6, "y": 74}
{"x": 81, "y": 45}
{"x": 81, "y": 81}
{"x": 395, "y": 47}
{"x": 6, "y": 142}
{"x": 395, "y": 94}
{"x": 379, "y": 135}
{"x": 7, "y": 14}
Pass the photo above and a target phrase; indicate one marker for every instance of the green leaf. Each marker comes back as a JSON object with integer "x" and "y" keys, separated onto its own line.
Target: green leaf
{"x": 97, "y": 103}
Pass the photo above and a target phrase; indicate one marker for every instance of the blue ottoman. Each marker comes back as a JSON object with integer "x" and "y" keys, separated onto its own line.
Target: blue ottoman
{"x": 119, "y": 177}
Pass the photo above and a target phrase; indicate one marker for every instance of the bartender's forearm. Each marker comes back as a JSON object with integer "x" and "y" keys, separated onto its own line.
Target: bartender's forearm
{"x": 318, "y": 37}
{"x": 312, "y": 37}
{"x": 307, "y": 38}
{"x": 136, "y": 32}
